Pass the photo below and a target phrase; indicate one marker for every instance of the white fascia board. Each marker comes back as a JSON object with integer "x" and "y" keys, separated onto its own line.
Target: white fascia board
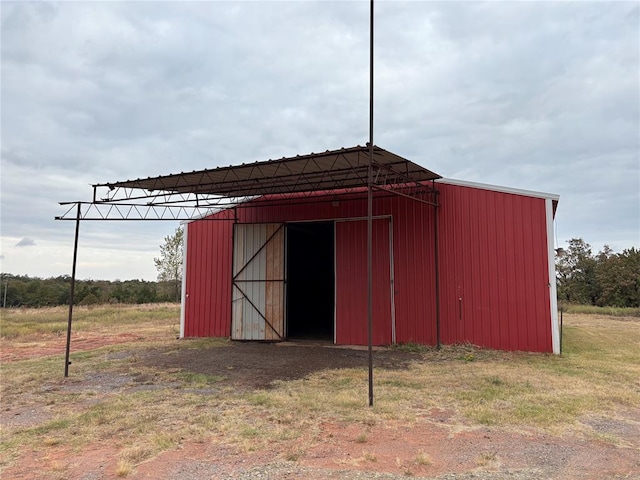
{"x": 184, "y": 278}
{"x": 553, "y": 294}
{"x": 496, "y": 188}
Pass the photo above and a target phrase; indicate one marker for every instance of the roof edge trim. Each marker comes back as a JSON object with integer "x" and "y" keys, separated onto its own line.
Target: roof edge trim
{"x": 498, "y": 188}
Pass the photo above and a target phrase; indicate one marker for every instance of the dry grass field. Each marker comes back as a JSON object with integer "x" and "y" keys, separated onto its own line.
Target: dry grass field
{"x": 141, "y": 404}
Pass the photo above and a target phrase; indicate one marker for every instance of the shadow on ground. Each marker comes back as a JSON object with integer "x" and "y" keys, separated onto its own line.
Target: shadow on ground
{"x": 258, "y": 365}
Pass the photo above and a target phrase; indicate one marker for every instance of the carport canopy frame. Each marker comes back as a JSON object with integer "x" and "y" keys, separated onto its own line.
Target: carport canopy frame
{"x": 196, "y": 195}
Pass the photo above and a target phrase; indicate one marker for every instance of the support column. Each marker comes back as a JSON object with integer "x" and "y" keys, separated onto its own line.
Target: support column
{"x": 370, "y": 218}
{"x": 436, "y": 248}
{"x": 72, "y": 293}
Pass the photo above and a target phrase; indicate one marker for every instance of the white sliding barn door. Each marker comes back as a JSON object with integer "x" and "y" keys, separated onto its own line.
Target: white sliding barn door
{"x": 257, "y": 309}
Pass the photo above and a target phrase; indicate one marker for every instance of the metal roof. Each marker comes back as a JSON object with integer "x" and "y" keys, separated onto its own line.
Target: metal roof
{"x": 335, "y": 169}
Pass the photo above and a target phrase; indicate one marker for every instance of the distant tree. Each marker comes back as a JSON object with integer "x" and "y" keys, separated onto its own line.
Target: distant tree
{"x": 169, "y": 264}
{"x": 618, "y": 278}
{"x": 118, "y": 293}
{"x": 576, "y": 273}
{"x": 24, "y": 291}
{"x": 147, "y": 293}
{"x": 88, "y": 293}
{"x": 630, "y": 276}
{"x": 607, "y": 271}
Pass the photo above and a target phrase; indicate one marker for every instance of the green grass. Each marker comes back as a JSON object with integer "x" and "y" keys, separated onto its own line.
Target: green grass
{"x": 608, "y": 311}
{"x": 23, "y": 323}
{"x": 411, "y": 347}
{"x": 156, "y": 409}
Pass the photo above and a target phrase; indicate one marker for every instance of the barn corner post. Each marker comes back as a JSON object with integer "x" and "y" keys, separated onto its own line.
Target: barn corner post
{"x": 370, "y": 218}
{"x": 72, "y": 291}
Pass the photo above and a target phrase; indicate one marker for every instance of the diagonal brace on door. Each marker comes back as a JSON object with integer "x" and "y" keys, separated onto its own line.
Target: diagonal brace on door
{"x": 258, "y": 310}
{"x": 258, "y": 251}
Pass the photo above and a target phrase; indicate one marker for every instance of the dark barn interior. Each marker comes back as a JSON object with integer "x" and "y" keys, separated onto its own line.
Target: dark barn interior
{"x": 310, "y": 280}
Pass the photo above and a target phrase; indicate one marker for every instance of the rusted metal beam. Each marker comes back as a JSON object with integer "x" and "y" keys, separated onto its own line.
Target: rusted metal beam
{"x": 72, "y": 294}
{"x": 436, "y": 250}
{"x": 370, "y": 218}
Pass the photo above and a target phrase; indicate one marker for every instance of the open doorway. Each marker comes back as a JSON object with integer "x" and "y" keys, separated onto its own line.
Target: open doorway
{"x": 310, "y": 280}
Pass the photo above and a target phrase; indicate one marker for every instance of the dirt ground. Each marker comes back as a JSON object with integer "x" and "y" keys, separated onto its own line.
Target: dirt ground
{"x": 253, "y": 365}
{"x": 438, "y": 445}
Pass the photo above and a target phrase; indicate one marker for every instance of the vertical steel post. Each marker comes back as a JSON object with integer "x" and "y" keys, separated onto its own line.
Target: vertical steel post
{"x": 72, "y": 293}
{"x": 370, "y": 218}
{"x": 561, "y": 311}
{"x": 436, "y": 249}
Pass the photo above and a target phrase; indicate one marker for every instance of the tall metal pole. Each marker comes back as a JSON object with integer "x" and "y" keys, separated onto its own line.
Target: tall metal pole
{"x": 436, "y": 260}
{"x": 72, "y": 293}
{"x": 370, "y": 218}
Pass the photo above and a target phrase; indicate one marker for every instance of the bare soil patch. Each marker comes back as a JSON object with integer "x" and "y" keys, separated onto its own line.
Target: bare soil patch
{"x": 45, "y": 345}
{"x": 437, "y": 443}
{"x": 255, "y": 365}
{"x": 434, "y": 447}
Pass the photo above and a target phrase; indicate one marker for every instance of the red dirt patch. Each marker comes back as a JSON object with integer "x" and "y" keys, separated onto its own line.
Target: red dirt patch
{"x": 429, "y": 449}
{"x": 438, "y": 445}
{"x": 45, "y": 345}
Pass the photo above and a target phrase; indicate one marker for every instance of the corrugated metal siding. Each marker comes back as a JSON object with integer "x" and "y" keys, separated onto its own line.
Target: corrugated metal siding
{"x": 208, "y": 279}
{"x": 412, "y": 250}
{"x": 351, "y": 283}
{"x": 412, "y": 256}
{"x": 494, "y": 271}
{"x": 493, "y": 266}
{"x": 414, "y": 271}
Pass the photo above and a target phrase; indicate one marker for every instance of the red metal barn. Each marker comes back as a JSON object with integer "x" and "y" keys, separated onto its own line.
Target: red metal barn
{"x": 297, "y": 269}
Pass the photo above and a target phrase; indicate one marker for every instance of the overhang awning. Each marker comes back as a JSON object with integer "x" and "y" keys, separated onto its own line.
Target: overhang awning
{"x": 335, "y": 169}
{"x": 197, "y": 194}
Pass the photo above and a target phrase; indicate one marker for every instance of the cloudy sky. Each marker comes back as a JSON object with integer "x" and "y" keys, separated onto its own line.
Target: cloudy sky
{"x": 539, "y": 95}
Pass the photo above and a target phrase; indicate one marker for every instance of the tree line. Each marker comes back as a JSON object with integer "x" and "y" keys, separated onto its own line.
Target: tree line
{"x": 25, "y": 291}
{"x": 604, "y": 279}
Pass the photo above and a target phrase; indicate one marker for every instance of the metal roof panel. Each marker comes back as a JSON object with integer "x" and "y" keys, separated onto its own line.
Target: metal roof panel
{"x": 335, "y": 169}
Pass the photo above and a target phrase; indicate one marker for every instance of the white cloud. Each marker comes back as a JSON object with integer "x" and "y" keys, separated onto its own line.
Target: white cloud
{"x": 536, "y": 95}
{"x": 25, "y": 242}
